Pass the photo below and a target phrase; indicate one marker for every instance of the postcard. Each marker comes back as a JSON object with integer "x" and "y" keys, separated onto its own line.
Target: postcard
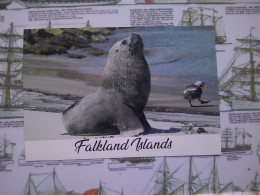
{"x": 120, "y": 92}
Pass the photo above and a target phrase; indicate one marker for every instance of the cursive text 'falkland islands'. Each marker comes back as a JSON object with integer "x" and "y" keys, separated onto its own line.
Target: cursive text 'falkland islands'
{"x": 109, "y": 145}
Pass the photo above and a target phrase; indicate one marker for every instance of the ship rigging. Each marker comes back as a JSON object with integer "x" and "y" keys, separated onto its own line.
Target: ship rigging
{"x": 201, "y": 16}
{"x": 10, "y": 70}
{"x": 239, "y": 83}
{"x": 166, "y": 182}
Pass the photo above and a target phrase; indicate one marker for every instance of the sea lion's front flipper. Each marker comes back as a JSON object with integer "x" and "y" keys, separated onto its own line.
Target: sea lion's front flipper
{"x": 128, "y": 122}
{"x": 144, "y": 122}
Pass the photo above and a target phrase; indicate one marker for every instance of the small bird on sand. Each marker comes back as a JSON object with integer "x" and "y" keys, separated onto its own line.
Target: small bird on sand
{"x": 194, "y": 91}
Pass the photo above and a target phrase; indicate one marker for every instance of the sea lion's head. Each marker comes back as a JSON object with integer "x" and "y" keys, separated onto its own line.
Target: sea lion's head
{"x": 133, "y": 45}
{"x": 127, "y": 70}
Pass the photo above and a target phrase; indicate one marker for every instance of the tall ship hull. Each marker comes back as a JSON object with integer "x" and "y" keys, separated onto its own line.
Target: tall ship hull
{"x": 65, "y": 3}
{"x": 244, "y": 104}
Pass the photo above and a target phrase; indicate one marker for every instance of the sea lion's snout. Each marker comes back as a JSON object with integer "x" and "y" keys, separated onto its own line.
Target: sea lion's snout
{"x": 136, "y": 39}
{"x": 136, "y": 43}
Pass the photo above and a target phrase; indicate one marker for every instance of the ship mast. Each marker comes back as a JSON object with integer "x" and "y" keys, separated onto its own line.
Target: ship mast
{"x": 5, "y": 146}
{"x": 236, "y": 136}
{"x": 189, "y": 21}
{"x": 7, "y": 78}
{"x": 54, "y": 182}
{"x": 244, "y": 136}
{"x": 100, "y": 189}
{"x": 214, "y": 177}
{"x": 164, "y": 190}
{"x": 253, "y": 96}
{"x": 190, "y": 177}
{"x": 201, "y": 17}
{"x": 226, "y": 137}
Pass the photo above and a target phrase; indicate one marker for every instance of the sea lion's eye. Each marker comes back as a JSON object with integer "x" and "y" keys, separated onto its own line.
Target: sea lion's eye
{"x": 124, "y": 42}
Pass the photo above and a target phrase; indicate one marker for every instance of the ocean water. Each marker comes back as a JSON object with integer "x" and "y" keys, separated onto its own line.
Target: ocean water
{"x": 177, "y": 56}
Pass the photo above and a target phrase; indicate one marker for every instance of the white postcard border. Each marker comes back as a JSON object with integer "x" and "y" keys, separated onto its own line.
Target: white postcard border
{"x": 179, "y": 145}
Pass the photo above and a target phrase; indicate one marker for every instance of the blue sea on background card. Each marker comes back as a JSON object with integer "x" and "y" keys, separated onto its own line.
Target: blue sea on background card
{"x": 181, "y": 53}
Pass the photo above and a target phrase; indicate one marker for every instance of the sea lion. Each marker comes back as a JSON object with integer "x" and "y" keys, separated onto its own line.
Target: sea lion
{"x": 118, "y": 104}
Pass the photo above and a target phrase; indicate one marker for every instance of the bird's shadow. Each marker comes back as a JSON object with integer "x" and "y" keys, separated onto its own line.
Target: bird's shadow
{"x": 156, "y": 131}
{"x": 203, "y": 106}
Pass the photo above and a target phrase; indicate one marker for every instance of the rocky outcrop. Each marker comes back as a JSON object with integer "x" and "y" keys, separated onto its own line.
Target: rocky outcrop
{"x": 58, "y": 41}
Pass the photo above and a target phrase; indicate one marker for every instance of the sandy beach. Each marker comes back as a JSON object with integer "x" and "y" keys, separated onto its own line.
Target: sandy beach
{"x": 49, "y": 126}
{"x": 48, "y": 92}
{"x": 49, "y": 85}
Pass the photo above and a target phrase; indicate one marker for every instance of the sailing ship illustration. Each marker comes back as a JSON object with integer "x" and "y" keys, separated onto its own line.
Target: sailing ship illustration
{"x": 6, "y": 149}
{"x": 65, "y": 3}
{"x": 167, "y": 184}
{"x": 5, "y": 3}
{"x": 49, "y": 185}
{"x": 131, "y": 162}
{"x": 22, "y": 161}
{"x": 239, "y": 83}
{"x": 136, "y": 160}
{"x": 194, "y": 1}
{"x": 102, "y": 190}
{"x": 202, "y": 16}
{"x": 11, "y": 73}
{"x": 230, "y": 143}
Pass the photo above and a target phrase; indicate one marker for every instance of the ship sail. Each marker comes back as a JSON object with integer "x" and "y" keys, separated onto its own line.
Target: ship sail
{"x": 51, "y": 185}
{"x": 240, "y": 82}
{"x": 227, "y": 188}
{"x": 91, "y": 192}
{"x": 195, "y": 184}
{"x": 201, "y": 16}
{"x": 178, "y": 191}
{"x": 102, "y": 191}
{"x": 6, "y": 149}
{"x": 165, "y": 182}
{"x": 30, "y": 188}
{"x": 10, "y": 69}
{"x": 253, "y": 187}
{"x": 203, "y": 190}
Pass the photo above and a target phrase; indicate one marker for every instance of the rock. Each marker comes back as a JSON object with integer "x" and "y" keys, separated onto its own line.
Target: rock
{"x": 29, "y": 36}
{"x": 74, "y": 55}
{"x": 43, "y": 34}
{"x": 61, "y": 40}
{"x": 79, "y": 42}
{"x": 97, "y": 31}
{"x": 44, "y": 49}
{"x": 68, "y": 41}
{"x": 98, "y": 38}
{"x": 96, "y": 53}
